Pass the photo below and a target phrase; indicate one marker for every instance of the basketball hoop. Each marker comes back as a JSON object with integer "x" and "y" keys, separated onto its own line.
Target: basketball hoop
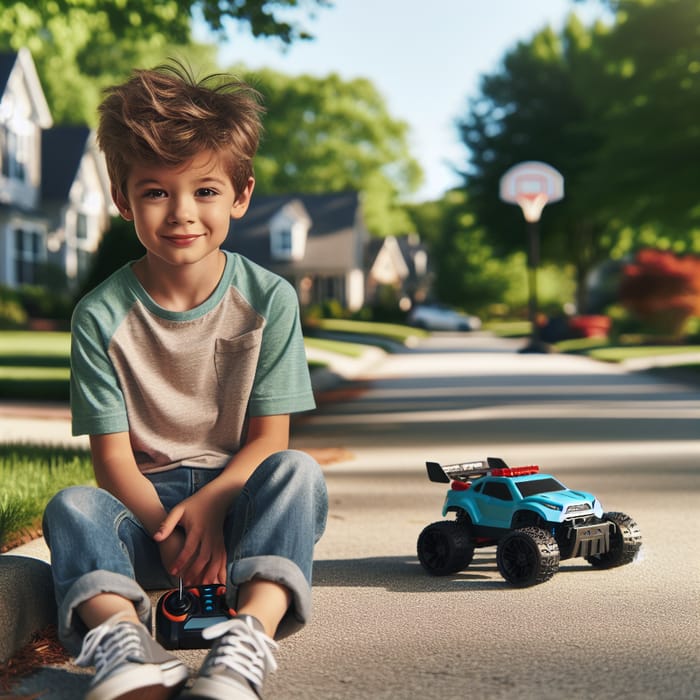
{"x": 532, "y": 185}
{"x": 532, "y": 205}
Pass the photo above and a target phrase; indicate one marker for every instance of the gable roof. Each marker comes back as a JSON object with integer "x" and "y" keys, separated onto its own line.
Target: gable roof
{"x": 332, "y": 242}
{"x": 7, "y": 63}
{"x": 23, "y": 58}
{"x": 62, "y": 150}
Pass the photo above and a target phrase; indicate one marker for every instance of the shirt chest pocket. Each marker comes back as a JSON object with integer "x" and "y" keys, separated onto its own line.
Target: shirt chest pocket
{"x": 236, "y": 360}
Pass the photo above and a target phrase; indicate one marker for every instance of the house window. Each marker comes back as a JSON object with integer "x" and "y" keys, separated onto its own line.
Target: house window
{"x": 283, "y": 243}
{"x": 289, "y": 228}
{"x": 81, "y": 227}
{"x": 15, "y": 154}
{"x": 28, "y": 256}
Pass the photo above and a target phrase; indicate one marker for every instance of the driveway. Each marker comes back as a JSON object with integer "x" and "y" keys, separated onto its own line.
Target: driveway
{"x": 384, "y": 629}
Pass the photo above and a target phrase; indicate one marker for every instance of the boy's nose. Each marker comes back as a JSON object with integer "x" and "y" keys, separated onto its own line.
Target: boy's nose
{"x": 181, "y": 212}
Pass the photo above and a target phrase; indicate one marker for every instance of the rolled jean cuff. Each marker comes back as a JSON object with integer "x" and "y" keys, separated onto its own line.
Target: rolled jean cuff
{"x": 71, "y": 629}
{"x": 282, "y": 571}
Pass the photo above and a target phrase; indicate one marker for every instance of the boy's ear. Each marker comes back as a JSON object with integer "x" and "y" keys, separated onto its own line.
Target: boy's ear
{"x": 240, "y": 206}
{"x": 122, "y": 204}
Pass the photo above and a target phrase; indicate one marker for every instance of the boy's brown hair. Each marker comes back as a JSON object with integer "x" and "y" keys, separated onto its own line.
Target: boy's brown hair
{"x": 166, "y": 116}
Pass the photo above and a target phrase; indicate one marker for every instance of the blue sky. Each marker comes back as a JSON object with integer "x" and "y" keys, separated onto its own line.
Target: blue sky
{"x": 424, "y": 56}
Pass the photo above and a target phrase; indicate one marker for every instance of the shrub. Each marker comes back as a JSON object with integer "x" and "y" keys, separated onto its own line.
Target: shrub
{"x": 12, "y": 315}
{"x": 662, "y": 289}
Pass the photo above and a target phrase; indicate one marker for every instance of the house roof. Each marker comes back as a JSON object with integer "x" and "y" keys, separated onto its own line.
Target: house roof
{"x": 332, "y": 241}
{"x": 8, "y": 61}
{"x": 404, "y": 249}
{"x": 62, "y": 150}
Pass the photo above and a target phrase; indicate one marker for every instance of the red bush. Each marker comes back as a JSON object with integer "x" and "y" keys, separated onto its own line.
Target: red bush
{"x": 662, "y": 289}
{"x": 590, "y": 326}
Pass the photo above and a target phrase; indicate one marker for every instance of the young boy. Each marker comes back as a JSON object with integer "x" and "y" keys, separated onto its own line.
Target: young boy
{"x": 185, "y": 367}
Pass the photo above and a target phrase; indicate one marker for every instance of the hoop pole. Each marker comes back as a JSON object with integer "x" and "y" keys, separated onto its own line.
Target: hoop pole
{"x": 532, "y": 264}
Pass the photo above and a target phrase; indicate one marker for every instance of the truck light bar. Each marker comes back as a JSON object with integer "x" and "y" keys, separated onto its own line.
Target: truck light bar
{"x": 516, "y": 471}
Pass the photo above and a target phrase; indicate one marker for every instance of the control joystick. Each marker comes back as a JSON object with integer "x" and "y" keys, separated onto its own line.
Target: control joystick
{"x": 178, "y": 603}
{"x": 182, "y": 614}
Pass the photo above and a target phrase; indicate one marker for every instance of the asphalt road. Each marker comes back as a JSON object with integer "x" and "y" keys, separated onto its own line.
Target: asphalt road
{"x": 384, "y": 629}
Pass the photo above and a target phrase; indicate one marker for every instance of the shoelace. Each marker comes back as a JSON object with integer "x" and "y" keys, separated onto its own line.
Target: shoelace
{"x": 122, "y": 643}
{"x": 242, "y": 648}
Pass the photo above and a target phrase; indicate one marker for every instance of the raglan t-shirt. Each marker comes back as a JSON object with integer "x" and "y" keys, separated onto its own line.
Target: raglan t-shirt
{"x": 183, "y": 383}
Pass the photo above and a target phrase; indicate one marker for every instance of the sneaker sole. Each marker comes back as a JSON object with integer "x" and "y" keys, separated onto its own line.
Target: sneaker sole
{"x": 209, "y": 689}
{"x": 150, "y": 683}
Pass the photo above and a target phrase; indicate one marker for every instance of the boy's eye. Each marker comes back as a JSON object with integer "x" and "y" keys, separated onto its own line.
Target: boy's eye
{"x": 206, "y": 192}
{"x": 154, "y": 194}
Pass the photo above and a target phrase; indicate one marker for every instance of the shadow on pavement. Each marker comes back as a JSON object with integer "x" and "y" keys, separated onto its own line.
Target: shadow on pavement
{"x": 403, "y": 575}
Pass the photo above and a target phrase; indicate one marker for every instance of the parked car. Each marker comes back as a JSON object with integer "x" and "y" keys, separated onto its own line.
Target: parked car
{"x": 532, "y": 518}
{"x": 437, "y": 317}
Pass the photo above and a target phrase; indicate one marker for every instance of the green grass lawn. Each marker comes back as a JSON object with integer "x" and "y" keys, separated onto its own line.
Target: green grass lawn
{"x": 390, "y": 331}
{"x": 30, "y": 476}
{"x": 34, "y": 365}
{"x": 338, "y": 346}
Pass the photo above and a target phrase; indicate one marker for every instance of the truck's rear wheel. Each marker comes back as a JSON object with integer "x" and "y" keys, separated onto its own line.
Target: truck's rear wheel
{"x": 444, "y": 548}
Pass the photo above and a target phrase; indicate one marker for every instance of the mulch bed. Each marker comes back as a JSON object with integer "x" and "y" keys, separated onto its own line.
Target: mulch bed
{"x": 43, "y": 649}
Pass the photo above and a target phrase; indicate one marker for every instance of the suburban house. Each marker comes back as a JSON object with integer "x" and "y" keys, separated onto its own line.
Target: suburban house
{"x": 317, "y": 242}
{"x": 398, "y": 266}
{"x": 55, "y": 200}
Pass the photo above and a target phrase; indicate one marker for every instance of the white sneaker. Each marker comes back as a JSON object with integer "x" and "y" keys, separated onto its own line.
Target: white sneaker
{"x": 237, "y": 663}
{"x": 129, "y": 663}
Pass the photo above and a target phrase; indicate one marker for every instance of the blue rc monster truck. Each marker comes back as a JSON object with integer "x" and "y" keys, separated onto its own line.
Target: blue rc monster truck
{"x": 532, "y": 519}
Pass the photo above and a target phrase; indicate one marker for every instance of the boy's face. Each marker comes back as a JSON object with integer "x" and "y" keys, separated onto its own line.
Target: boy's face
{"x": 182, "y": 214}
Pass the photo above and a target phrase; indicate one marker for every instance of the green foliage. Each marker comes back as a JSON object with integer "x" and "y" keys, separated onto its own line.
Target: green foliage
{"x": 263, "y": 18}
{"x": 30, "y": 476}
{"x": 118, "y": 246}
{"x": 613, "y": 109}
{"x": 12, "y": 313}
{"x": 82, "y": 46}
{"x": 325, "y": 134}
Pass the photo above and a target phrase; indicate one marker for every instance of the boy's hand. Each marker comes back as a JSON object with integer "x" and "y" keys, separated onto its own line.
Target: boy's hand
{"x": 202, "y": 558}
{"x": 170, "y": 548}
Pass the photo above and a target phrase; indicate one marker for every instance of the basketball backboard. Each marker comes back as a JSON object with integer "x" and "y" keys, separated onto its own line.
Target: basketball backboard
{"x": 531, "y": 185}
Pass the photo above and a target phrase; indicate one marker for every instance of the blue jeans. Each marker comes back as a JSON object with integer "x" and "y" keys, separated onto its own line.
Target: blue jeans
{"x": 98, "y": 546}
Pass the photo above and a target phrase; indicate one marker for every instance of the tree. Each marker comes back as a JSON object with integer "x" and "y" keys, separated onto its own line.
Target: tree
{"x": 465, "y": 271}
{"x": 81, "y": 46}
{"x": 324, "y": 134}
{"x": 612, "y": 108}
{"x": 535, "y": 108}
{"x": 646, "y": 98}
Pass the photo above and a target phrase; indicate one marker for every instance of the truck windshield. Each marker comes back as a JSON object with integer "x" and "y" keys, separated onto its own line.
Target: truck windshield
{"x": 530, "y": 488}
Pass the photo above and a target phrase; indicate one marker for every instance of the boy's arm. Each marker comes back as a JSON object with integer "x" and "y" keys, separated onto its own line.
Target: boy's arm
{"x": 203, "y": 557}
{"x": 116, "y": 471}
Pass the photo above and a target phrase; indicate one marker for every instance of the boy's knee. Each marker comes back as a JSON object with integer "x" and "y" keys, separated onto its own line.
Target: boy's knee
{"x": 297, "y": 467}
{"x": 74, "y": 502}
{"x": 70, "y": 498}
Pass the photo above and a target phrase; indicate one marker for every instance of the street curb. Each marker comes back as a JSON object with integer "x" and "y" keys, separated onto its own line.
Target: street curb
{"x": 28, "y": 603}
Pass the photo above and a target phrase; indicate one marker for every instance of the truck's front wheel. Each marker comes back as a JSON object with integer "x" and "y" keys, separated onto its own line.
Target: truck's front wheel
{"x": 445, "y": 548}
{"x": 625, "y": 541}
{"x": 527, "y": 556}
